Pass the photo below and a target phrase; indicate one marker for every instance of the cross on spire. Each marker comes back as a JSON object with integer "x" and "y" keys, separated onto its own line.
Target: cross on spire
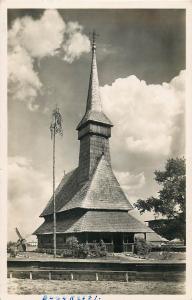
{"x": 93, "y": 36}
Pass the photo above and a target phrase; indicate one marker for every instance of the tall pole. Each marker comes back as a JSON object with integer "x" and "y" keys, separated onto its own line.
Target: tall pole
{"x": 54, "y": 210}
{"x": 56, "y": 127}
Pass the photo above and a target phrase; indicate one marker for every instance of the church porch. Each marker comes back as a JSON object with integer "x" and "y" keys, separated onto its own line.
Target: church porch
{"x": 115, "y": 242}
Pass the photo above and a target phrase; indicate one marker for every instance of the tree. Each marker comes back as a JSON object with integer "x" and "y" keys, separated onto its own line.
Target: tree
{"x": 171, "y": 201}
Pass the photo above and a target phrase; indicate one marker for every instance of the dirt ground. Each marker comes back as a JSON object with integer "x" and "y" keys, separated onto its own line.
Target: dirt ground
{"x": 26, "y": 287}
{"x": 153, "y": 256}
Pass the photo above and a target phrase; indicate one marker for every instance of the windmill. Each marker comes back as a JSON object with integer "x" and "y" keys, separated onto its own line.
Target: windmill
{"x": 21, "y": 243}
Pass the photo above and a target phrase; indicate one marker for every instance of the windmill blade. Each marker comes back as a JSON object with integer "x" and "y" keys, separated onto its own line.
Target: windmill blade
{"x": 18, "y": 233}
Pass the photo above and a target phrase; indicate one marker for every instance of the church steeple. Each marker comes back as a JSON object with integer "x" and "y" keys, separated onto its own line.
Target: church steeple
{"x": 94, "y": 106}
{"x": 94, "y": 129}
{"x": 93, "y": 99}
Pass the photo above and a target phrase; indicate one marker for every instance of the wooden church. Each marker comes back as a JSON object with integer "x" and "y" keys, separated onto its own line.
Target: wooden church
{"x": 90, "y": 203}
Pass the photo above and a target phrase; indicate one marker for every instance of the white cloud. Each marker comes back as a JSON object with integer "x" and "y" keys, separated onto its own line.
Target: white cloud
{"x": 133, "y": 186}
{"x": 149, "y": 145}
{"x": 145, "y": 116}
{"x": 28, "y": 192}
{"x": 130, "y": 182}
{"x": 39, "y": 37}
{"x": 76, "y": 42}
{"x": 29, "y": 40}
{"x": 75, "y": 46}
{"x": 24, "y": 82}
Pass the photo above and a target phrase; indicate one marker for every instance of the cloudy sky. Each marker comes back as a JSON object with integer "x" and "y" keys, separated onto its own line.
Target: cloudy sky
{"x": 141, "y": 65}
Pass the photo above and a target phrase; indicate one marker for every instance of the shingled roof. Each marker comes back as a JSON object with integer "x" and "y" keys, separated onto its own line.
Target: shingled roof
{"x": 154, "y": 237}
{"x": 96, "y": 116}
{"x": 64, "y": 192}
{"x": 101, "y": 191}
{"x": 96, "y": 221}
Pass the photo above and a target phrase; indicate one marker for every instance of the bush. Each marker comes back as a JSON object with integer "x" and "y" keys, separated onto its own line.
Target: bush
{"x": 10, "y": 246}
{"x": 72, "y": 241}
{"x": 73, "y": 245}
{"x": 83, "y": 250}
{"x": 67, "y": 253}
{"x": 166, "y": 251}
{"x": 41, "y": 250}
{"x": 94, "y": 250}
{"x": 13, "y": 251}
{"x": 102, "y": 248}
{"x": 76, "y": 249}
{"x": 142, "y": 247}
{"x": 98, "y": 249}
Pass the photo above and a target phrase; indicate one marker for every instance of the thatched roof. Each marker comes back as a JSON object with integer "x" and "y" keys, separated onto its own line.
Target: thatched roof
{"x": 101, "y": 191}
{"x": 96, "y": 221}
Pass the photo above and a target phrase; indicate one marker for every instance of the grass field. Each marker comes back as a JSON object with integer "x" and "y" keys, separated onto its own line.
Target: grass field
{"x": 26, "y": 286}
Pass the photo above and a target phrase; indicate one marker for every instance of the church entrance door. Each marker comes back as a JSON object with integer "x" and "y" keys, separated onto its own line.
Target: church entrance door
{"x": 118, "y": 243}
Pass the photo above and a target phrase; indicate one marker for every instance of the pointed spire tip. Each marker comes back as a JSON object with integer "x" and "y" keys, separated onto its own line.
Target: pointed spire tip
{"x": 93, "y": 39}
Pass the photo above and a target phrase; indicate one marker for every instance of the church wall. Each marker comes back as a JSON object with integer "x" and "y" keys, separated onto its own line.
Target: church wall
{"x": 84, "y": 158}
{"x": 91, "y": 148}
{"x": 98, "y": 145}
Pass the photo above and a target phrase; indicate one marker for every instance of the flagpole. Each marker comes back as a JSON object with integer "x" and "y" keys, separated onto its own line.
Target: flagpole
{"x": 54, "y": 211}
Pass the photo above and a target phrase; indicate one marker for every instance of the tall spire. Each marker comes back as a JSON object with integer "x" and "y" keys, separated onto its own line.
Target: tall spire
{"x": 94, "y": 106}
{"x": 94, "y": 99}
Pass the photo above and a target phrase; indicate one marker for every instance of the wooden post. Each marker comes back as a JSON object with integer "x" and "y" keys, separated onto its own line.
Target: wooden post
{"x": 54, "y": 212}
{"x": 124, "y": 250}
{"x": 56, "y": 127}
{"x": 134, "y": 242}
{"x": 30, "y": 275}
{"x": 49, "y": 275}
{"x": 112, "y": 243}
{"x": 112, "y": 238}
